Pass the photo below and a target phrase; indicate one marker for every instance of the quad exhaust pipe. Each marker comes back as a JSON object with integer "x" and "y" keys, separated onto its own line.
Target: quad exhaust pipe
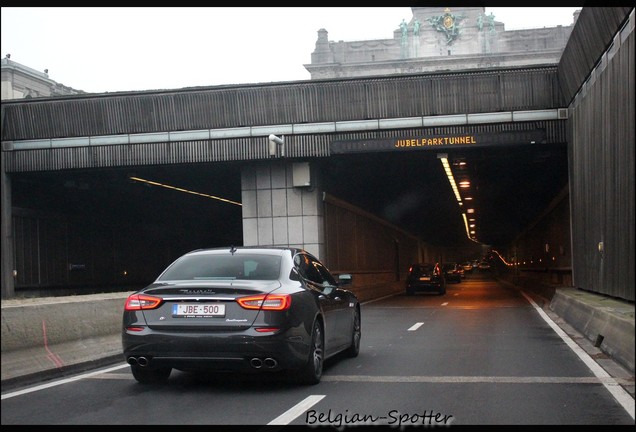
{"x": 268, "y": 362}
{"x": 138, "y": 361}
{"x": 256, "y": 362}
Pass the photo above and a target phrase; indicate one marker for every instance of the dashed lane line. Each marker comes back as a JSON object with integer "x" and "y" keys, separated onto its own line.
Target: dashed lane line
{"x": 415, "y": 326}
{"x": 299, "y": 409}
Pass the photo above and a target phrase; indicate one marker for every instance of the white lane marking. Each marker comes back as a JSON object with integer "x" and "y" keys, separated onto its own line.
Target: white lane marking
{"x": 466, "y": 379}
{"x": 619, "y": 393}
{"x": 416, "y": 326}
{"x": 113, "y": 376}
{"x": 433, "y": 379}
{"x": 298, "y": 409}
{"x": 62, "y": 381}
{"x": 445, "y": 304}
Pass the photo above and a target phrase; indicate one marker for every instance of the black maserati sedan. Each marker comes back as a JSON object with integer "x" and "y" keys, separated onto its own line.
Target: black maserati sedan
{"x": 241, "y": 309}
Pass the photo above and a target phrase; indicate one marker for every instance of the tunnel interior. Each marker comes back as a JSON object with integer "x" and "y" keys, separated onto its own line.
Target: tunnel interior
{"x": 165, "y": 211}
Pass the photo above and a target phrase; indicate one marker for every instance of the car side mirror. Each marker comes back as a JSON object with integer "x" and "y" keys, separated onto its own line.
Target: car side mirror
{"x": 345, "y": 279}
{"x": 293, "y": 275}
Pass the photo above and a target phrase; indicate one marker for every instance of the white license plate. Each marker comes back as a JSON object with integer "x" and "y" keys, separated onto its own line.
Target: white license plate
{"x": 195, "y": 310}
{"x": 425, "y": 278}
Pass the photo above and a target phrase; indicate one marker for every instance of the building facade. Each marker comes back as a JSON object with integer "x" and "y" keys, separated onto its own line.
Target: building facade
{"x": 439, "y": 39}
{"x": 22, "y": 82}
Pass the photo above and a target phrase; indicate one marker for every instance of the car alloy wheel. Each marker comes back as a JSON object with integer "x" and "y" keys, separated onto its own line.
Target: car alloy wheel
{"x": 311, "y": 373}
{"x": 354, "y": 349}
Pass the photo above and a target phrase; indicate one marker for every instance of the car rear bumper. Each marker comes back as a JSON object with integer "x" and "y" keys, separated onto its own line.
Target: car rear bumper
{"x": 240, "y": 351}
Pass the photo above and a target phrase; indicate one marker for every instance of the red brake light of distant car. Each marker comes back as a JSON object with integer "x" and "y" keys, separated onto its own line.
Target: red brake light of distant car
{"x": 141, "y": 302}
{"x": 266, "y": 302}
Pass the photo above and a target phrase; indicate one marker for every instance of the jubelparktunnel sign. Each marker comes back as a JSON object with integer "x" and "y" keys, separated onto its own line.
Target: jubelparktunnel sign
{"x": 437, "y": 142}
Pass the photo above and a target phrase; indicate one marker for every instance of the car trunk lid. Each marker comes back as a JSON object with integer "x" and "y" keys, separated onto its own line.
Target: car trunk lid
{"x": 205, "y": 305}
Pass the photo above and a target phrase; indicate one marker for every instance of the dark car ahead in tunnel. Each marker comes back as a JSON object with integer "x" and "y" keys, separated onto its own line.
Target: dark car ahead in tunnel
{"x": 246, "y": 309}
{"x": 425, "y": 277}
{"x": 452, "y": 272}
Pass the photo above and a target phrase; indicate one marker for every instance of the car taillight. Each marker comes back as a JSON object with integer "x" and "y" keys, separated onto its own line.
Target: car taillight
{"x": 136, "y": 302}
{"x": 266, "y": 329}
{"x": 266, "y": 302}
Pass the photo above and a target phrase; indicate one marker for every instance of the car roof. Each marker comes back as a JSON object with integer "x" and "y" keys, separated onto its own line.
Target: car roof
{"x": 248, "y": 249}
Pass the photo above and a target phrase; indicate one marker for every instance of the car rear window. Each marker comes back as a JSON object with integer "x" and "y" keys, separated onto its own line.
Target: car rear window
{"x": 421, "y": 269}
{"x": 221, "y": 267}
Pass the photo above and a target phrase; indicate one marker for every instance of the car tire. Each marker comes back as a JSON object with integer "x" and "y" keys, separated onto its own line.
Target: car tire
{"x": 311, "y": 372}
{"x": 145, "y": 375}
{"x": 354, "y": 348}
{"x": 442, "y": 290}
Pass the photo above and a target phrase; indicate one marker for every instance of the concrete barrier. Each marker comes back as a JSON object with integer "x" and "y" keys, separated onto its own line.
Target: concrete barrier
{"x": 33, "y": 322}
{"x": 48, "y": 321}
{"x": 607, "y": 323}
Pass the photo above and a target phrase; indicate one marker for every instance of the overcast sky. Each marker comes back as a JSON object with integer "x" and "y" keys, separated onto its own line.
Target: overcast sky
{"x": 99, "y": 49}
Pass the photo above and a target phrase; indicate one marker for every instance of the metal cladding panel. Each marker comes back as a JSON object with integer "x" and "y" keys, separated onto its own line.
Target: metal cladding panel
{"x": 161, "y": 153}
{"x": 591, "y": 36}
{"x": 279, "y": 103}
{"x": 601, "y": 157}
{"x": 296, "y": 146}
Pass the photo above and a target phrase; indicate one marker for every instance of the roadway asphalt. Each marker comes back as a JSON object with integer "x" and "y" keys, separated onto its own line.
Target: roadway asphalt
{"x": 582, "y": 315}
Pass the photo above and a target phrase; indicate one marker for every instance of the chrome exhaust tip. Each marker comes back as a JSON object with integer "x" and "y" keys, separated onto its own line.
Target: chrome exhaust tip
{"x": 142, "y": 361}
{"x": 132, "y": 361}
{"x": 270, "y": 362}
{"x": 256, "y": 363}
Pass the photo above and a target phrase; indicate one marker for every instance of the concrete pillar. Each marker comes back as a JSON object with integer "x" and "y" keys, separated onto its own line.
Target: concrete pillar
{"x": 283, "y": 206}
{"x": 6, "y": 248}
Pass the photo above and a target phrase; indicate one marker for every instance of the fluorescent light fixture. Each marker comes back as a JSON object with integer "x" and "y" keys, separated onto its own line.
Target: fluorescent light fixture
{"x": 108, "y": 140}
{"x": 31, "y": 144}
{"x": 447, "y": 120}
{"x": 536, "y": 115}
{"x": 496, "y": 117}
{"x": 230, "y": 132}
{"x": 193, "y": 135}
{"x": 451, "y": 179}
{"x": 275, "y": 129}
{"x": 407, "y": 122}
{"x": 149, "y": 138}
{"x": 356, "y": 125}
{"x": 443, "y": 157}
{"x": 327, "y": 127}
{"x": 178, "y": 189}
{"x": 69, "y": 142}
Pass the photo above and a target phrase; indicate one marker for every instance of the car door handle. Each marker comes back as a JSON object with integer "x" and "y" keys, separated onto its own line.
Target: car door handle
{"x": 324, "y": 297}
